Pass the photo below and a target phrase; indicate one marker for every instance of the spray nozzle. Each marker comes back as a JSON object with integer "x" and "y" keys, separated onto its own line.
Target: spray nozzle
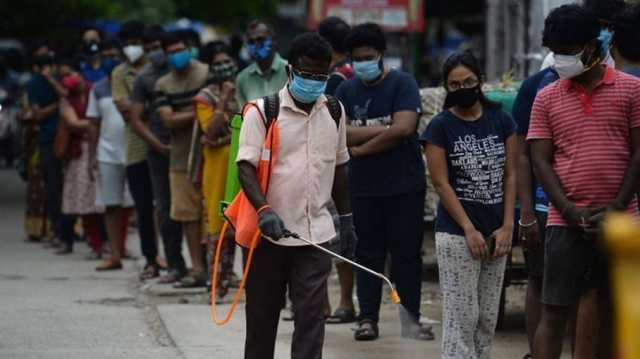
{"x": 395, "y": 297}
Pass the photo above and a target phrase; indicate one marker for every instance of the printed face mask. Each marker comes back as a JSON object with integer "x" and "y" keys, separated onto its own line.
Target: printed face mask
{"x": 262, "y": 51}
{"x": 133, "y": 52}
{"x": 464, "y": 98}
{"x": 157, "y": 57}
{"x": 306, "y": 90}
{"x": 180, "y": 59}
{"x": 223, "y": 71}
{"x": 367, "y": 70}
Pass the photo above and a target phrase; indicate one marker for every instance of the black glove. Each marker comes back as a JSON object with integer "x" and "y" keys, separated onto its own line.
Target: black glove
{"x": 348, "y": 238}
{"x": 271, "y": 225}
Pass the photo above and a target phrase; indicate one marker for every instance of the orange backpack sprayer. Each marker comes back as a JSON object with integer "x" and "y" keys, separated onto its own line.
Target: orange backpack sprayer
{"x": 243, "y": 218}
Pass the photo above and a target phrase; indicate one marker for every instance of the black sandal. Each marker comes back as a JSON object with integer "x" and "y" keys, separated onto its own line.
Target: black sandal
{"x": 193, "y": 280}
{"x": 342, "y": 316}
{"x": 367, "y": 331}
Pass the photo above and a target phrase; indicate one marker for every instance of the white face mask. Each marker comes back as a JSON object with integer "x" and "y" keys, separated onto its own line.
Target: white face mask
{"x": 133, "y": 52}
{"x": 568, "y": 66}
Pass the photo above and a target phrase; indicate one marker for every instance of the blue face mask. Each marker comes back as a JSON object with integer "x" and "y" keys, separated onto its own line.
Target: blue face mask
{"x": 179, "y": 60}
{"x": 195, "y": 53}
{"x": 262, "y": 51}
{"x": 305, "y": 90}
{"x": 367, "y": 70}
{"x": 109, "y": 64}
{"x": 605, "y": 41}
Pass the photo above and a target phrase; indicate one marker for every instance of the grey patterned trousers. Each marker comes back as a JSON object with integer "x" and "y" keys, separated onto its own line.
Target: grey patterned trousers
{"x": 471, "y": 297}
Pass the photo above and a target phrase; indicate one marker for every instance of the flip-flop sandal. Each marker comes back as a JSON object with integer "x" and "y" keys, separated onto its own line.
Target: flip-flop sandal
{"x": 367, "y": 331}
{"x": 191, "y": 281}
{"x": 342, "y": 316}
{"x": 109, "y": 266}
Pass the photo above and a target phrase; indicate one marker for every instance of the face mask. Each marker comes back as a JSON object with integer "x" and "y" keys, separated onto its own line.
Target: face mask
{"x": 568, "y": 66}
{"x": 157, "y": 57}
{"x": 91, "y": 49}
{"x": 195, "y": 53}
{"x": 367, "y": 71}
{"x": 109, "y": 64}
{"x": 464, "y": 98}
{"x": 262, "y": 52}
{"x": 305, "y": 90}
{"x": 180, "y": 59}
{"x": 223, "y": 72}
{"x": 133, "y": 53}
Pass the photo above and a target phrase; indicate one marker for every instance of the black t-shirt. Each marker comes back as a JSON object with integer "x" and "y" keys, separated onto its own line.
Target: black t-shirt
{"x": 143, "y": 92}
{"x": 399, "y": 170}
{"x": 476, "y": 156}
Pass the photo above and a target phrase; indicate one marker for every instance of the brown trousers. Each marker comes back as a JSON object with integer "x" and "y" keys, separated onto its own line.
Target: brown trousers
{"x": 304, "y": 270}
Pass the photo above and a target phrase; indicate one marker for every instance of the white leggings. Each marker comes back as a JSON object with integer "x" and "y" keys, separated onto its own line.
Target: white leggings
{"x": 471, "y": 298}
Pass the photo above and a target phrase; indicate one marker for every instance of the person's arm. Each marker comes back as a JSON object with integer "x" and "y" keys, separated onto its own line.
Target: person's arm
{"x": 140, "y": 127}
{"x": 44, "y": 112}
{"x": 119, "y": 92}
{"x": 248, "y": 176}
{"x": 542, "y": 156}
{"x": 437, "y": 162}
{"x": 176, "y": 120}
{"x": 340, "y": 191}
{"x": 403, "y": 126}
{"x": 68, "y": 115}
{"x": 528, "y": 229}
{"x": 357, "y": 136}
{"x": 504, "y": 235}
{"x": 60, "y": 90}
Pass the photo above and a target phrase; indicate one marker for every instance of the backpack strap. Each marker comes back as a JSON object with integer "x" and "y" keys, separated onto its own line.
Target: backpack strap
{"x": 334, "y": 109}
{"x": 271, "y": 109}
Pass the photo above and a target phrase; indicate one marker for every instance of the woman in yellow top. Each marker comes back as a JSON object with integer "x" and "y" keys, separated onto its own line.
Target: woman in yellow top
{"x": 215, "y": 104}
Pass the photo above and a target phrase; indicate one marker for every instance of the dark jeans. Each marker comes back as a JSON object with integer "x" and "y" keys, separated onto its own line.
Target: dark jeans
{"x": 171, "y": 230}
{"x": 305, "y": 270}
{"x": 142, "y": 193}
{"x": 52, "y": 177}
{"x": 392, "y": 225}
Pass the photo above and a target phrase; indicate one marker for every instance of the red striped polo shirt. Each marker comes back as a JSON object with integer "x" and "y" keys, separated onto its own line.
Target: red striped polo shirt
{"x": 591, "y": 137}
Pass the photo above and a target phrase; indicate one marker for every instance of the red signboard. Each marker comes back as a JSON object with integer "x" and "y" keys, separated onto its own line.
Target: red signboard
{"x": 393, "y": 15}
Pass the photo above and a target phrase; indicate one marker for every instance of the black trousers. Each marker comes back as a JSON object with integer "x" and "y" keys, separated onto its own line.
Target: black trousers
{"x": 389, "y": 225}
{"x": 141, "y": 190}
{"x": 52, "y": 177}
{"x": 171, "y": 230}
{"x": 305, "y": 270}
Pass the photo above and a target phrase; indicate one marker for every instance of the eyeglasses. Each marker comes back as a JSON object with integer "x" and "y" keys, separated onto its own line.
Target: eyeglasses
{"x": 466, "y": 84}
{"x": 310, "y": 75}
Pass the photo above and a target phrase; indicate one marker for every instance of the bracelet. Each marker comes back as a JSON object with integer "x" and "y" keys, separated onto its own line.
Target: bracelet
{"x": 266, "y": 206}
{"x": 527, "y": 225}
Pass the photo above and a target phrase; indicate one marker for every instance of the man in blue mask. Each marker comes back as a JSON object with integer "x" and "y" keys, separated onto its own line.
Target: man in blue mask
{"x": 387, "y": 177}
{"x": 174, "y": 106}
{"x": 267, "y": 75}
{"x": 309, "y": 172}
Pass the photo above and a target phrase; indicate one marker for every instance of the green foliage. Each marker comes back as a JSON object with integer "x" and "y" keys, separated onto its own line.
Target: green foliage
{"x": 233, "y": 14}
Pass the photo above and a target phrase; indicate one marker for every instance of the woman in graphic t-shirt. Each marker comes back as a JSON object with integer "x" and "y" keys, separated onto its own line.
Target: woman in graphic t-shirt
{"x": 470, "y": 149}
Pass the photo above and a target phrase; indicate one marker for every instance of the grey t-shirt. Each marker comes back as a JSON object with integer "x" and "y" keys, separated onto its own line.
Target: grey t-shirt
{"x": 143, "y": 91}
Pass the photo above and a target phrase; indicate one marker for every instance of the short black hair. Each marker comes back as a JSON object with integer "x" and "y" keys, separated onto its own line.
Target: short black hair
{"x": 570, "y": 25}
{"x": 367, "y": 34}
{"x": 606, "y": 10}
{"x": 152, "y": 33}
{"x": 335, "y": 30}
{"x": 131, "y": 30}
{"x": 627, "y": 33}
{"x": 211, "y": 49}
{"x": 311, "y": 45}
{"x": 171, "y": 38}
{"x": 469, "y": 60}
{"x": 255, "y": 23}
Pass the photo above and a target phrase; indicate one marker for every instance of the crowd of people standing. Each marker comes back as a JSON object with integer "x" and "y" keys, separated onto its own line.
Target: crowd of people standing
{"x": 142, "y": 121}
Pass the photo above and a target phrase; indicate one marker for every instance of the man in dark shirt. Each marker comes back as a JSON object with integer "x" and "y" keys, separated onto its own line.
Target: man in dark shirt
{"x": 44, "y": 101}
{"x": 147, "y": 124}
{"x": 386, "y": 175}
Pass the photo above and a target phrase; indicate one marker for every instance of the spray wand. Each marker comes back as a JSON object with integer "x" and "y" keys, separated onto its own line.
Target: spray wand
{"x": 395, "y": 297}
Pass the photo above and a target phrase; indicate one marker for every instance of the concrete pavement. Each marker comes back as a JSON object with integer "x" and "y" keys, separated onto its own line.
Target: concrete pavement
{"x": 58, "y": 307}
